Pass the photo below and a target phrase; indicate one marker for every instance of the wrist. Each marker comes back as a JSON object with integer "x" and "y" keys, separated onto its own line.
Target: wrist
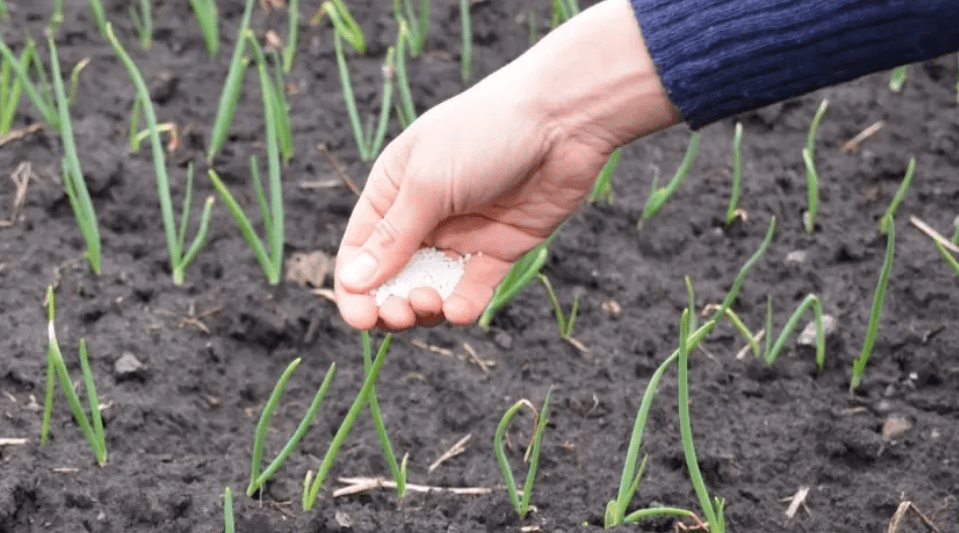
{"x": 593, "y": 79}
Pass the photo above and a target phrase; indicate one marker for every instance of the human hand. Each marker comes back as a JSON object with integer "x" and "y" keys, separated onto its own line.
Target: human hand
{"x": 492, "y": 172}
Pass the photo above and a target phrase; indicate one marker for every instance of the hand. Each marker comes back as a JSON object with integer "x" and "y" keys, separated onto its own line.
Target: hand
{"x": 492, "y": 172}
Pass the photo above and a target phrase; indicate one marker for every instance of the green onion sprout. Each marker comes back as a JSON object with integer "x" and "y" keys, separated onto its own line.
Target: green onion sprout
{"x": 419, "y": 24}
{"x": 55, "y": 365}
{"x": 142, "y": 20}
{"x": 228, "y": 522}
{"x": 659, "y": 196}
{"x": 344, "y": 24}
{"x": 99, "y": 16}
{"x": 859, "y": 364}
{"x": 406, "y": 111}
{"x": 11, "y": 87}
{"x": 950, "y": 259}
{"x": 602, "y": 189}
{"x": 812, "y": 177}
{"x": 466, "y": 56}
{"x": 368, "y": 143}
{"x": 888, "y": 217}
{"x": 206, "y": 17}
{"x": 564, "y": 10}
{"x": 521, "y": 505}
{"x": 41, "y": 98}
{"x": 231, "y": 88}
{"x": 532, "y": 27}
{"x": 292, "y": 34}
{"x": 713, "y": 510}
{"x": 258, "y": 479}
{"x": 399, "y": 472}
{"x": 772, "y": 350}
{"x": 897, "y": 78}
{"x": 313, "y": 483}
{"x": 73, "y": 181}
{"x": 565, "y": 324}
{"x": 737, "y": 173}
{"x": 175, "y": 237}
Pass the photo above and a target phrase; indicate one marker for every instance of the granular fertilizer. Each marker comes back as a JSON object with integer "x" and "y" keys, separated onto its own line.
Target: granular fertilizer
{"x": 429, "y": 267}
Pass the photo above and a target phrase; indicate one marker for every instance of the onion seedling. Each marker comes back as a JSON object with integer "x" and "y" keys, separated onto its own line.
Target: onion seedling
{"x": 955, "y": 232}
{"x": 419, "y": 25}
{"x": 859, "y": 364}
{"x": 257, "y": 479}
{"x": 228, "y": 522}
{"x": 368, "y": 144}
{"x": 312, "y": 484}
{"x": 99, "y": 16}
{"x": 11, "y": 87}
{"x": 737, "y": 173}
{"x": 812, "y": 177}
{"x": 73, "y": 182}
{"x": 41, "y": 97}
{"x": 772, "y": 350}
{"x": 897, "y": 78}
{"x": 888, "y": 217}
{"x": 231, "y": 88}
{"x": 602, "y": 189}
{"x": 4, "y": 14}
{"x": 565, "y": 325}
{"x": 713, "y": 510}
{"x": 405, "y": 110}
{"x": 55, "y": 365}
{"x": 532, "y": 27}
{"x": 521, "y": 505}
{"x": 343, "y": 23}
{"x": 466, "y": 56}
{"x": 292, "y": 34}
{"x": 659, "y": 196}
{"x": 950, "y": 259}
{"x": 398, "y": 471}
{"x": 142, "y": 20}
{"x": 175, "y": 237}
{"x": 564, "y": 10}
{"x": 275, "y": 90}
{"x": 56, "y": 19}
{"x": 519, "y": 276}
{"x": 631, "y": 474}
{"x": 206, "y": 17}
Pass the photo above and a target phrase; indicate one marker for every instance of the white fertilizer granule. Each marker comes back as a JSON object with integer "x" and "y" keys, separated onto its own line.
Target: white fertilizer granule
{"x": 429, "y": 267}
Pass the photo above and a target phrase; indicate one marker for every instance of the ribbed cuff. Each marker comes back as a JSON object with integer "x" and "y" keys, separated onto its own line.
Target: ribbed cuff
{"x": 719, "y": 58}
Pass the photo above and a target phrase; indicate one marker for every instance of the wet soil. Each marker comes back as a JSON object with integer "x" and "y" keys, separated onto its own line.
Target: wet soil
{"x": 180, "y": 430}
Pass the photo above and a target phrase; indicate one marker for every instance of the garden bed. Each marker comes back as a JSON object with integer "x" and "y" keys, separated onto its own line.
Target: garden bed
{"x": 180, "y": 429}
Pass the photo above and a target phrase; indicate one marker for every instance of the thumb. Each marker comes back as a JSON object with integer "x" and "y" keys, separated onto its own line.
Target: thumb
{"x": 391, "y": 239}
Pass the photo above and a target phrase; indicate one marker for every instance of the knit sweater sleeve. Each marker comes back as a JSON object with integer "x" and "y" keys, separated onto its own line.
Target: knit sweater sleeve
{"x": 718, "y": 58}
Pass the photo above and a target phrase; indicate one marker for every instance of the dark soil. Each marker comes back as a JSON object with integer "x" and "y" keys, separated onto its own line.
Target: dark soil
{"x": 182, "y": 431}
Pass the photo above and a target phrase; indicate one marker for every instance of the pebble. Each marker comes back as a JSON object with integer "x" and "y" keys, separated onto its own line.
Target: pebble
{"x": 796, "y": 256}
{"x": 128, "y": 366}
{"x": 503, "y": 340}
{"x": 807, "y": 337}
{"x": 895, "y": 426}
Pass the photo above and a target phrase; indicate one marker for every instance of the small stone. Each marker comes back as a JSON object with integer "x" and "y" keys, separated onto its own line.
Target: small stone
{"x": 309, "y": 269}
{"x": 895, "y": 426}
{"x": 612, "y": 308}
{"x": 503, "y": 340}
{"x": 128, "y": 366}
{"x": 807, "y": 337}
{"x": 796, "y": 256}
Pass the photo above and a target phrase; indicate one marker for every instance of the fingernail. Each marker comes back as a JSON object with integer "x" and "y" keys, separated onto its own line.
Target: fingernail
{"x": 360, "y": 270}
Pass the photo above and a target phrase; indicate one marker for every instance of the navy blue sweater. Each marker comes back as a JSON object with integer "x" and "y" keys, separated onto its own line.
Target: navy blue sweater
{"x": 718, "y": 58}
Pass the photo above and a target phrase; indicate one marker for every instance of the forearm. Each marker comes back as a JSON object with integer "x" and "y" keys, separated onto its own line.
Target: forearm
{"x": 718, "y": 58}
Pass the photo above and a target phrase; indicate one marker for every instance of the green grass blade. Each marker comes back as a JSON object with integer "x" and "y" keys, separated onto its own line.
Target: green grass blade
{"x": 398, "y": 473}
{"x": 246, "y": 228}
{"x": 44, "y": 105}
{"x": 48, "y": 397}
{"x": 292, "y": 34}
{"x": 812, "y": 192}
{"x": 950, "y": 259}
{"x": 359, "y": 402}
{"x": 99, "y": 16}
{"x": 888, "y": 217}
{"x": 11, "y": 88}
{"x": 541, "y": 419}
{"x": 185, "y": 208}
{"x": 859, "y": 364}
{"x": 86, "y": 216}
{"x": 385, "y": 105}
{"x": 737, "y": 173}
{"x": 406, "y": 97}
{"x": 200, "y": 238}
{"x": 769, "y": 324}
{"x": 466, "y": 56}
{"x": 281, "y": 112}
{"x": 345, "y": 24}
{"x": 741, "y": 276}
{"x": 261, "y": 200}
{"x": 101, "y": 447}
{"x": 602, "y": 189}
{"x": 231, "y": 88}
{"x": 516, "y": 280}
{"x": 301, "y": 430}
{"x": 656, "y": 512}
